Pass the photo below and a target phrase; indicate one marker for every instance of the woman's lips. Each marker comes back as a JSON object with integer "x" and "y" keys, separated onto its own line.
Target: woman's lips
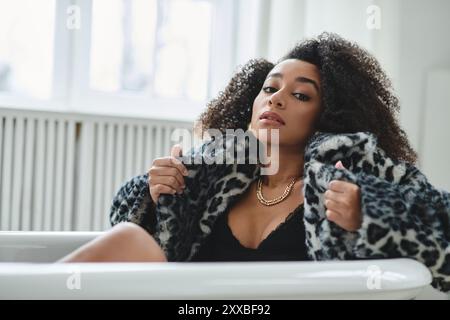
{"x": 271, "y": 118}
{"x": 270, "y": 122}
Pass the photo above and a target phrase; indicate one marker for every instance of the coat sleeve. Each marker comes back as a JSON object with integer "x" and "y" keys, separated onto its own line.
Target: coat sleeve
{"x": 403, "y": 215}
{"x": 409, "y": 219}
{"x": 133, "y": 203}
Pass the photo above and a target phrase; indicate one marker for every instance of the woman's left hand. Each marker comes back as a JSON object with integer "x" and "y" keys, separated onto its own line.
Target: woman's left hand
{"x": 343, "y": 203}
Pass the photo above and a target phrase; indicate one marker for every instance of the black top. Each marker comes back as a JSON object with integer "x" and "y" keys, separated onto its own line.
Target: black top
{"x": 286, "y": 242}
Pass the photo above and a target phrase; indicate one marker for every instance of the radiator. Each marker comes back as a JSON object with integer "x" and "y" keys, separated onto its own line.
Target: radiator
{"x": 59, "y": 171}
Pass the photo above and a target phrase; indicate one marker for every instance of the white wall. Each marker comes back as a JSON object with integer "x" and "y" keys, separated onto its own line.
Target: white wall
{"x": 345, "y": 17}
{"x": 424, "y": 46}
{"x": 268, "y": 28}
{"x": 436, "y": 139}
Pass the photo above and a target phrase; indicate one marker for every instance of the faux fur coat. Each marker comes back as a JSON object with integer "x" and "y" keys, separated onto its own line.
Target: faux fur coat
{"x": 403, "y": 214}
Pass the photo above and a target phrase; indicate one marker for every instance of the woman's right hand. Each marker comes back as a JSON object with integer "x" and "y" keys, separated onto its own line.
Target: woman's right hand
{"x": 166, "y": 175}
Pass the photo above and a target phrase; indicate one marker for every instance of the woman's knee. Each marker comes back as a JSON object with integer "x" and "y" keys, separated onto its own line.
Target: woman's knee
{"x": 126, "y": 242}
{"x": 130, "y": 233}
{"x": 125, "y": 232}
{"x": 128, "y": 230}
{"x": 135, "y": 243}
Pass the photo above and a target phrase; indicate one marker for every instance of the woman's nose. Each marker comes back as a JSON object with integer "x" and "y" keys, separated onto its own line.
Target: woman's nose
{"x": 276, "y": 100}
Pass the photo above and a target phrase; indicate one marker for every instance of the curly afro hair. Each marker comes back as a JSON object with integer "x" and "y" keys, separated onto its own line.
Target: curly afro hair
{"x": 356, "y": 94}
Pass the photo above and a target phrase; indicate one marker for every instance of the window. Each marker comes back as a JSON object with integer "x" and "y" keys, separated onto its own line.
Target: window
{"x": 26, "y": 48}
{"x": 158, "y": 58}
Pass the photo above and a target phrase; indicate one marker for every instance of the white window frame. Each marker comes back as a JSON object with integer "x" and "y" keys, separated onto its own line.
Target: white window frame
{"x": 71, "y": 91}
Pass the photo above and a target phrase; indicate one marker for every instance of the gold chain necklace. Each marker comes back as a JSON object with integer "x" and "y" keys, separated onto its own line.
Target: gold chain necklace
{"x": 266, "y": 202}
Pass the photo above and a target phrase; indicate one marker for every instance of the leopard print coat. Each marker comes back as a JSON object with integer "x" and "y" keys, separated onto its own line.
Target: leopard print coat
{"x": 403, "y": 214}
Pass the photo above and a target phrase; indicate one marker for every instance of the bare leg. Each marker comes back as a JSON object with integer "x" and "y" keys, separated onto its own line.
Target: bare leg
{"x": 125, "y": 242}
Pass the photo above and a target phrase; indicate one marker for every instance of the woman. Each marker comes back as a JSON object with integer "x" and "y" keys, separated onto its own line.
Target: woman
{"x": 346, "y": 187}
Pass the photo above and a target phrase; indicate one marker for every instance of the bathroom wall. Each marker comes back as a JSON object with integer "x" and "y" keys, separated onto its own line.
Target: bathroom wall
{"x": 423, "y": 87}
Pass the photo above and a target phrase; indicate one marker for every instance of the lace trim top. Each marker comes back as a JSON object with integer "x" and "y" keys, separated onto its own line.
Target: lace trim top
{"x": 285, "y": 243}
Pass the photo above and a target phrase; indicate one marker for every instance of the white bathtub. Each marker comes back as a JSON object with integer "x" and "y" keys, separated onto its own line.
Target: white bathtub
{"x": 25, "y": 273}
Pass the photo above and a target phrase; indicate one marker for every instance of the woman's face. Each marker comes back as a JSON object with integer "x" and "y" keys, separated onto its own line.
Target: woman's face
{"x": 289, "y": 101}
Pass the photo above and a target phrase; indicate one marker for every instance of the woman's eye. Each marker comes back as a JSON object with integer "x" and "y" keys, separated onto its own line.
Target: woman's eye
{"x": 268, "y": 89}
{"x": 301, "y": 96}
